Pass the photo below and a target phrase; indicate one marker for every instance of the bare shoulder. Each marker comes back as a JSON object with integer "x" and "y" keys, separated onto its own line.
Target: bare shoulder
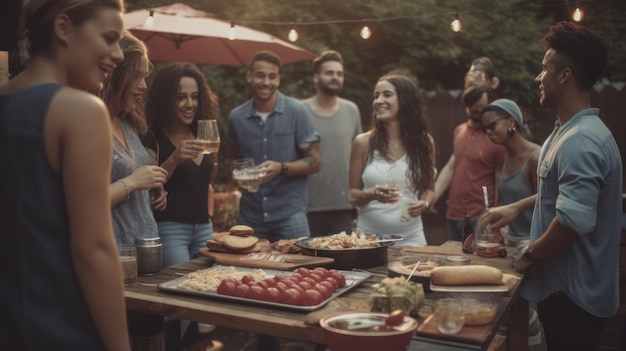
{"x": 76, "y": 107}
{"x": 362, "y": 140}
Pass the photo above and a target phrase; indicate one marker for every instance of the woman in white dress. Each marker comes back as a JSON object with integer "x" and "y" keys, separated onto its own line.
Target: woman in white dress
{"x": 392, "y": 165}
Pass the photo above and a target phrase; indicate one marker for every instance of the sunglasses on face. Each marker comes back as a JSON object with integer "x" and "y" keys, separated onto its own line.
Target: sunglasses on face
{"x": 492, "y": 126}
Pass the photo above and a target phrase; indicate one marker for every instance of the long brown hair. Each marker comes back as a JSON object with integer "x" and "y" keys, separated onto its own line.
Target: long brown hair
{"x": 414, "y": 131}
{"x": 123, "y": 79}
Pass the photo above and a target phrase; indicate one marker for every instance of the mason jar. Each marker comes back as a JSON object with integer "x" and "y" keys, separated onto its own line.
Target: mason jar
{"x": 149, "y": 255}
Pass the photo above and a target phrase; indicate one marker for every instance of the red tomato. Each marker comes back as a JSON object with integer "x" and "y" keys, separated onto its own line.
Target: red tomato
{"x": 271, "y": 281}
{"x": 296, "y": 276}
{"x": 247, "y": 278}
{"x": 395, "y": 318}
{"x": 264, "y": 284}
{"x": 309, "y": 280}
{"x": 256, "y": 292}
{"x": 297, "y": 287}
{"x": 242, "y": 290}
{"x": 316, "y": 276}
{"x": 227, "y": 287}
{"x": 271, "y": 294}
{"x": 341, "y": 280}
{"x": 281, "y": 286}
{"x": 323, "y": 290}
{"x": 280, "y": 278}
{"x": 305, "y": 285}
{"x": 328, "y": 285}
{"x": 321, "y": 271}
{"x": 303, "y": 271}
{"x": 292, "y": 297}
{"x": 332, "y": 281}
{"x": 312, "y": 297}
{"x": 252, "y": 283}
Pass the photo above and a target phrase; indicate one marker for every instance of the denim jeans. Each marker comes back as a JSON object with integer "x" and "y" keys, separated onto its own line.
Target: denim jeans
{"x": 181, "y": 241}
{"x": 289, "y": 228}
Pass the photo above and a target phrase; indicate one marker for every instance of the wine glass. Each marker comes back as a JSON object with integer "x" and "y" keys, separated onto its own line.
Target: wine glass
{"x": 208, "y": 135}
{"x": 247, "y": 175}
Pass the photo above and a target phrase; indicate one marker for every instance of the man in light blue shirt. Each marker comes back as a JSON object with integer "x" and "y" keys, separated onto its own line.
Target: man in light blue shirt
{"x": 277, "y": 132}
{"x": 572, "y": 261}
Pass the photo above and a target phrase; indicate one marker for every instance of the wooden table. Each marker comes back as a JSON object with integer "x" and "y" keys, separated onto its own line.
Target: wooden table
{"x": 145, "y": 297}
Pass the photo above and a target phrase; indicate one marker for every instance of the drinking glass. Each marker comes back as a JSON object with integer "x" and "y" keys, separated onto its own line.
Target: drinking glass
{"x": 247, "y": 175}
{"x": 405, "y": 199}
{"x": 208, "y": 135}
{"x": 128, "y": 260}
{"x": 449, "y": 315}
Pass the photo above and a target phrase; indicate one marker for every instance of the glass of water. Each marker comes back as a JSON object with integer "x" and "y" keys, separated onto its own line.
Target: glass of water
{"x": 247, "y": 175}
{"x": 449, "y": 315}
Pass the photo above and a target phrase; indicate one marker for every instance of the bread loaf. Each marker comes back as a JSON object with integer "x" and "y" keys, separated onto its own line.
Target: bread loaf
{"x": 241, "y": 230}
{"x": 219, "y": 236}
{"x": 240, "y": 243}
{"x": 466, "y": 275}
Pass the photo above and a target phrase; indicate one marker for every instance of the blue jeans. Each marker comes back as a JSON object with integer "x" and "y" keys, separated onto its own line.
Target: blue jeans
{"x": 181, "y": 241}
{"x": 289, "y": 228}
{"x": 454, "y": 228}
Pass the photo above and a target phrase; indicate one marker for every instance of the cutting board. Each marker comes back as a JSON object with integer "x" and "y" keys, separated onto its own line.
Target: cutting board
{"x": 292, "y": 261}
{"x": 474, "y": 334}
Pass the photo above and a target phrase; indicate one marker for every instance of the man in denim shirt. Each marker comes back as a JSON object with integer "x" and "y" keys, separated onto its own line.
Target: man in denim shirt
{"x": 277, "y": 132}
{"x": 572, "y": 261}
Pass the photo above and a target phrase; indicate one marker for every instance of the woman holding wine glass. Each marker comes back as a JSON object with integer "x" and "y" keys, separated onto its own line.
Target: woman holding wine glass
{"x": 179, "y": 102}
{"x": 399, "y": 144}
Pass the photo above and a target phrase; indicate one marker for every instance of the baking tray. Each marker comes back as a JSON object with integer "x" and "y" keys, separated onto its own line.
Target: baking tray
{"x": 352, "y": 280}
{"x": 509, "y": 281}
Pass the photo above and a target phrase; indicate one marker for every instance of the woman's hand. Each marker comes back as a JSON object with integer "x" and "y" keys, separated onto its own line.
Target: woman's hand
{"x": 418, "y": 207}
{"x": 146, "y": 177}
{"x": 387, "y": 194}
{"x": 158, "y": 198}
{"x": 187, "y": 150}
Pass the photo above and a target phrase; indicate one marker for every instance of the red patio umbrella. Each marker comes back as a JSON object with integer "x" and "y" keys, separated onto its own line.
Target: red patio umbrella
{"x": 182, "y": 33}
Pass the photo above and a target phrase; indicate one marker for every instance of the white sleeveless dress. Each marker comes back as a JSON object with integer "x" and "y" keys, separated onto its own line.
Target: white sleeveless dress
{"x": 384, "y": 219}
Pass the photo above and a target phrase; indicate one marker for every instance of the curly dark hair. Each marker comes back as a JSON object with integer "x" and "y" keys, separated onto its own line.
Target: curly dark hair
{"x": 414, "y": 130}
{"x": 161, "y": 99}
{"x": 580, "y": 49}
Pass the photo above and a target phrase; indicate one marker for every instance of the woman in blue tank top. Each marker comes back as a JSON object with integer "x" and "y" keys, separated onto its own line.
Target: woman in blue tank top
{"x": 62, "y": 282}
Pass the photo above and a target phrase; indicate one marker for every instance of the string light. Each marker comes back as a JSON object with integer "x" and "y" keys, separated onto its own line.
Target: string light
{"x": 365, "y": 32}
{"x": 578, "y": 14}
{"x": 456, "y": 25}
{"x": 293, "y": 35}
{"x": 231, "y": 32}
{"x": 150, "y": 20}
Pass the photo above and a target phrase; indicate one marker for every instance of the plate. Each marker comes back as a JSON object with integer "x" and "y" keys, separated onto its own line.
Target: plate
{"x": 404, "y": 265}
{"x": 352, "y": 280}
{"x": 509, "y": 281}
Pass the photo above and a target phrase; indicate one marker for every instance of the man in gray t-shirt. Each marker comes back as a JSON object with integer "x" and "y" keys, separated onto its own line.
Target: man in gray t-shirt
{"x": 338, "y": 122}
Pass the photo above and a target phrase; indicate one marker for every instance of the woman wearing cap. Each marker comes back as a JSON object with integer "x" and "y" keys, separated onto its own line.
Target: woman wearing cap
{"x": 502, "y": 121}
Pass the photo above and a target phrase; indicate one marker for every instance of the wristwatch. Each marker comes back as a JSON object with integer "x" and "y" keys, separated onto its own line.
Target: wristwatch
{"x": 527, "y": 254}
{"x": 283, "y": 169}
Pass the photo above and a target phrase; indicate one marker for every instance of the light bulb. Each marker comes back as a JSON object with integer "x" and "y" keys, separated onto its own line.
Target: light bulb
{"x": 456, "y": 24}
{"x": 366, "y": 33}
{"x": 150, "y": 20}
{"x": 578, "y": 15}
{"x": 231, "y": 32}
{"x": 293, "y": 35}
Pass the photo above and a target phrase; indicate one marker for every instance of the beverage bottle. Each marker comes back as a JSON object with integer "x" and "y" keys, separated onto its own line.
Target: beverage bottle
{"x": 467, "y": 235}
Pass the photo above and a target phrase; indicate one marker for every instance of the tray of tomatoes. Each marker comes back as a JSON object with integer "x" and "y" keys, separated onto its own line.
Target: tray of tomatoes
{"x": 303, "y": 289}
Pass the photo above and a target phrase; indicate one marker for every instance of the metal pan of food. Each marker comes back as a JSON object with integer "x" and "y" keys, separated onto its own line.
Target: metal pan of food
{"x": 349, "y": 251}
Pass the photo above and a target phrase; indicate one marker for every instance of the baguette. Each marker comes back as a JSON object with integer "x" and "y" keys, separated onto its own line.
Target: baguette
{"x": 240, "y": 243}
{"x": 466, "y": 275}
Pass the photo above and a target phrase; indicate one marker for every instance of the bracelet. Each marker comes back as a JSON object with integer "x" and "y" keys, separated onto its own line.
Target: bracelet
{"x": 527, "y": 255}
{"x": 127, "y": 190}
{"x": 427, "y": 203}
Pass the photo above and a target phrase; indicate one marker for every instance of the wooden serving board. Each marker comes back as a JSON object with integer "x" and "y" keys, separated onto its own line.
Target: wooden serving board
{"x": 292, "y": 261}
